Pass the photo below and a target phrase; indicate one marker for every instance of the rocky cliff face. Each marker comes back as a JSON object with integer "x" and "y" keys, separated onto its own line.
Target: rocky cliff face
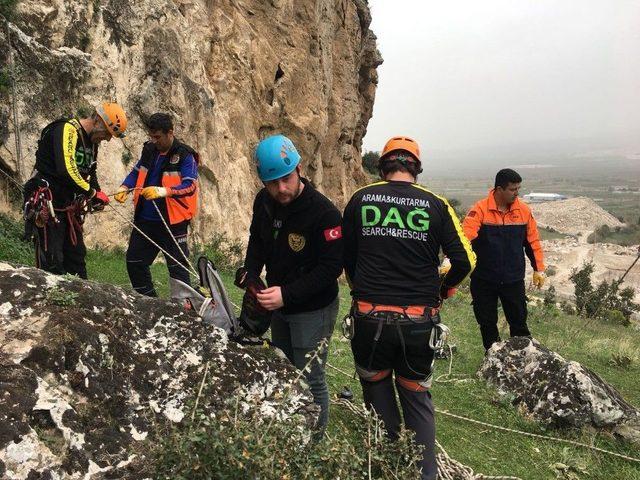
{"x": 231, "y": 72}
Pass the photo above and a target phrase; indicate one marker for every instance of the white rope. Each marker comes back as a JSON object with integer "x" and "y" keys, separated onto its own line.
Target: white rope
{"x": 187, "y": 268}
{"x": 16, "y": 124}
{"x": 448, "y": 468}
{"x": 537, "y": 435}
{"x": 175, "y": 241}
{"x": 520, "y": 432}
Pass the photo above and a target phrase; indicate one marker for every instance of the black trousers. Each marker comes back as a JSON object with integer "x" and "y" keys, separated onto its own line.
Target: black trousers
{"x": 55, "y": 251}
{"x": 406, "y": 352}
{"x": 141, "y": 254}
{"x": 485, "y": 297}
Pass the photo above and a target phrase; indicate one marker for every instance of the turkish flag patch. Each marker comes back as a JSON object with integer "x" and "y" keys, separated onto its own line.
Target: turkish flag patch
{"x": 331, "y": 234}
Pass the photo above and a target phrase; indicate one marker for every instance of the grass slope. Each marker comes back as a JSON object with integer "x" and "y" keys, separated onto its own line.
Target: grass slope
{"x": 491, "y": 452}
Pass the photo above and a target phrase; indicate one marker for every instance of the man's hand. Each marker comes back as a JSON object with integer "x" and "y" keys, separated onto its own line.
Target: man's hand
{"x": 153, "y": 193}
{"x": 444, "y": 267}
{"x": 270, "y": 298}
{"x": 121, "y": 196}
{"x": 447, "y": 292}
{"x": 99, "y": 200}
{"x": 538, "y": 279}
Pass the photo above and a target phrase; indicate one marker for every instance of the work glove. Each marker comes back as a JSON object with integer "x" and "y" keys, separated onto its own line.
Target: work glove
{"x": 447, "y": 292}
{"x": 121, "y": 196}
{"x": 99, "y": 200}
{"x": 153, "y": 193}
{"x": 538, "y": 279}
{"x": 444, "y": 267}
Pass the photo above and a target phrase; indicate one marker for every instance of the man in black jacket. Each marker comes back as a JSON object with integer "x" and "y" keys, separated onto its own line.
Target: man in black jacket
{"x": 296, "y": 234}
{"x": 393, "y": 233}
{"x": 65, "y": 184}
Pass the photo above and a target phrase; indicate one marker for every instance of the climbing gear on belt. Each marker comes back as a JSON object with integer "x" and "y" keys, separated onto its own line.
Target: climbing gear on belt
{"x": 348, "y": 326}
{"x": 399, "y": 316}
{"x": 276, "y": 157}
{"x": 254, "y": 319}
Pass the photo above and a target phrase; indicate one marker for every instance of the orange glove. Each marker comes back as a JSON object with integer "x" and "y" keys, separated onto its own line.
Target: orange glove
{"x": 121, "y": 196}
{"x": 538, "y": 279}
{"x": 153, "y": 193}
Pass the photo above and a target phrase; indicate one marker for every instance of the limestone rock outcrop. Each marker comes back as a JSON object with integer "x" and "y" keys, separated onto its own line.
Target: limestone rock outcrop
{"x": 90, "y": 373}
{"x": 230, "y": 72}
{"x": 555, "y": 391}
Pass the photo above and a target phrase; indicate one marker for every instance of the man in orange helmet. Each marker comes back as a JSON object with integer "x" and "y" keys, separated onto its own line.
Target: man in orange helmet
{"x": 393, "y": 232}
{"x": 64, "y": 186}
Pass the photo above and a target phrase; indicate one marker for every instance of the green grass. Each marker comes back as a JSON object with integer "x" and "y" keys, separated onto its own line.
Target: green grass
{"x": 550, "y": 234}
{"x": 625, "y": 236}
{"x": 592, "y": 343}
{"x": 498, "y": 453}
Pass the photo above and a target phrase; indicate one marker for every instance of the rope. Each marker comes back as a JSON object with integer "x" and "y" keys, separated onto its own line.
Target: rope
{"x": 450, "y": 469}
{"x": 187, "y": 268}
{"x": 537, "y": 435}
{"x": 13, "y": 180}
{"x": 175, "y": 241}
{"x": 519, "y": 432}
{"x": 16, "y": 127}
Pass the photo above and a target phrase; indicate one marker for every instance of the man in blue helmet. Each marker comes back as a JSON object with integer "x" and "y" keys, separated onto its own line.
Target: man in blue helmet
{"x": 296, "y": 233}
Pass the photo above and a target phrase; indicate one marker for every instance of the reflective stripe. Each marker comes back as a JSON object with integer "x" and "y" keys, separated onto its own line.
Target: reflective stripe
{"x": 69, "y": 142}
{"x": 471, "y": 256}
{"x": 415, "y": 385}
{"x": 170, "y": 174}
{"x": 143, "y": 169}
{"x": 372, "y": 375}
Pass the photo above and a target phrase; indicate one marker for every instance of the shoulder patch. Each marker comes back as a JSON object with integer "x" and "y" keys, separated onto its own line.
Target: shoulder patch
{"x": 296, "y": 242}
{"x": 472, "y": 213}
{"x": 331, "y": 234}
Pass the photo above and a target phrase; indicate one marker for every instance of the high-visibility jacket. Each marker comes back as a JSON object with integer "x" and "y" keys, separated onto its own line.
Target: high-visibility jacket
{"x": 501, "y": 239}
{"x": 179, "y": 205}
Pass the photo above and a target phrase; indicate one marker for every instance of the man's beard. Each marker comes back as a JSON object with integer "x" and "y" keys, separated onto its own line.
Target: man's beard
{"x": 289, "y": 197}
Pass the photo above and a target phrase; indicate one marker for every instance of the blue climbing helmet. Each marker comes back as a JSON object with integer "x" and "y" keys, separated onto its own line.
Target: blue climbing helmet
{"x": 276, "y": 157}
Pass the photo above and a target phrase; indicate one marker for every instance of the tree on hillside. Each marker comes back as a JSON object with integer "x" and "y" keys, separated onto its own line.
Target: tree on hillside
{"x": 370, "y": 162}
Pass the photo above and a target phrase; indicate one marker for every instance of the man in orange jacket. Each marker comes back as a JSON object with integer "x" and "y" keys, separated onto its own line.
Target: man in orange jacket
{"x": 502, "y": 230}
{"x": 165, "y": 196}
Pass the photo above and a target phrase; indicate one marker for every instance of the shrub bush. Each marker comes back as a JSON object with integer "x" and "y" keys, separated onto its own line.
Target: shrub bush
{"x": 232, "y": 447}
{"x": 606, "y": 297}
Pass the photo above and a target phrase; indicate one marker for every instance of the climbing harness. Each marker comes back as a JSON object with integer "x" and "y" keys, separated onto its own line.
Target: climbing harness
{"x": 397, "y": 316}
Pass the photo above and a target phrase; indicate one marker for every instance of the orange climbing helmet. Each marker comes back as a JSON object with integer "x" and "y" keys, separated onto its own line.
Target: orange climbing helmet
{"x": 401, "y": 143}
{"x": 113, "y": 117}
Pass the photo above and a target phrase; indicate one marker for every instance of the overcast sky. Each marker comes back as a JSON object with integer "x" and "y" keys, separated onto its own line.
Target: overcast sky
{"x": 462, "y": 74}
